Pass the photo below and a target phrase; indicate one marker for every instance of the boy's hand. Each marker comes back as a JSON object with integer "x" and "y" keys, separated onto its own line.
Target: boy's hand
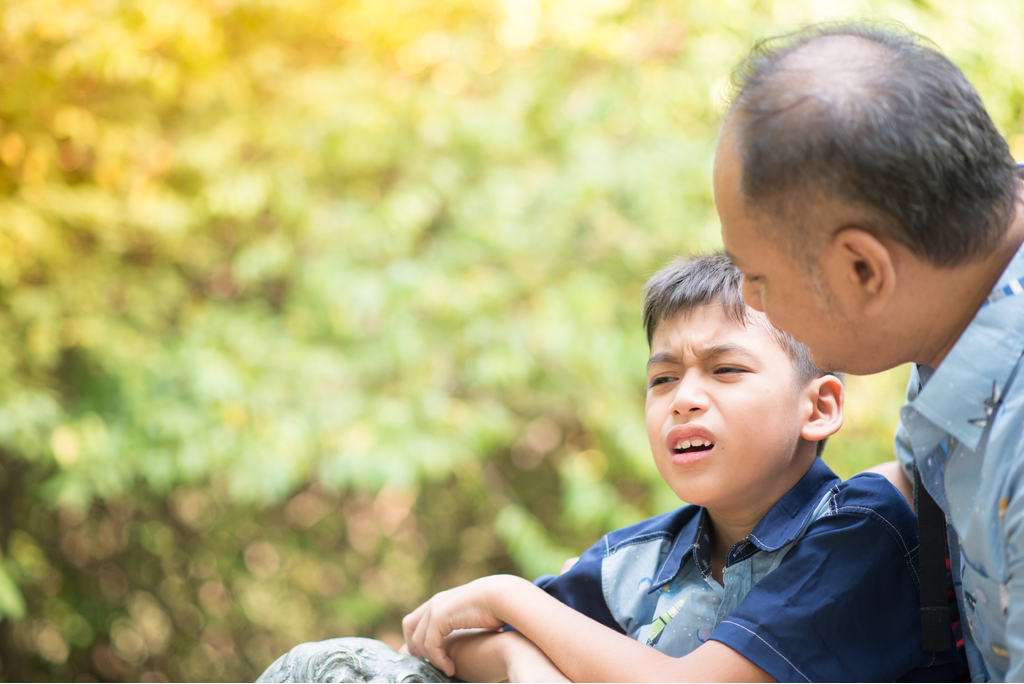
{"x": 474, "y": 605}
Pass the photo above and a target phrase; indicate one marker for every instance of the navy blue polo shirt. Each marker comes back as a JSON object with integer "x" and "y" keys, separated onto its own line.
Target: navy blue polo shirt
{"x": 824, "y": 588}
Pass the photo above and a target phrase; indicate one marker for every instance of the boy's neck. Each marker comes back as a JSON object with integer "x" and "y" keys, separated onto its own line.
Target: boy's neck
{"x": 729, "y": 527}
{"x": 726, "y": 533}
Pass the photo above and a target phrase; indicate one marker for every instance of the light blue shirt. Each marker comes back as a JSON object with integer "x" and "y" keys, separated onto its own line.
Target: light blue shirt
{"x": 963, "y": 424}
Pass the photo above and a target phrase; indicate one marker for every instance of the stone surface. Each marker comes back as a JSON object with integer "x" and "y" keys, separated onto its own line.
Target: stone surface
{"x": 350, "y": 659}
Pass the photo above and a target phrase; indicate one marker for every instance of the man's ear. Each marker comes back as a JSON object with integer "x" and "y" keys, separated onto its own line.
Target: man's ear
{"x": 860, "y": 269}
{"x": 825, "y": 399}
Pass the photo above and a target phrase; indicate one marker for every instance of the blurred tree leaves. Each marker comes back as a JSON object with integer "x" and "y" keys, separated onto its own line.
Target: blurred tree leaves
{"x": 310, "y": 309}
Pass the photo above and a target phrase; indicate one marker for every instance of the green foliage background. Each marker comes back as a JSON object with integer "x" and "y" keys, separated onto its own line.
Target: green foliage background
{"x": 310, "y": 309}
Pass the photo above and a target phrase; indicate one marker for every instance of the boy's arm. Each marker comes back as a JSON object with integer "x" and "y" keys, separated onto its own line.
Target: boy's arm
{"x": 482, "y": 656}
{"x": 582, "y": 648}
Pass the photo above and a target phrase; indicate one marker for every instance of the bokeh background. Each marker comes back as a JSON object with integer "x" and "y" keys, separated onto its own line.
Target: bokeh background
{"x": 309, "y": 309}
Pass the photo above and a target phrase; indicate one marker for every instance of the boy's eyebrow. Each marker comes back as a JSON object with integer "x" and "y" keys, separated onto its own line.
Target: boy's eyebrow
{"x": 703, "y": 353}
{"x": 662, "y": 357}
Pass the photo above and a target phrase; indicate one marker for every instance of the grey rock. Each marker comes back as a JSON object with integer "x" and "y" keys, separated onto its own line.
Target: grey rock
{"x": 350, "y": 659}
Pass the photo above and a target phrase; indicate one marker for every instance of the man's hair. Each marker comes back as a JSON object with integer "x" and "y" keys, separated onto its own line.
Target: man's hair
{"x": 713, "y": 280}
{"x": 889, "y": 124}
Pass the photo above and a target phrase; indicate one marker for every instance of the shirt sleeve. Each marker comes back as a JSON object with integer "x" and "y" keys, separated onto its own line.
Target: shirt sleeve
{"x": 1012, "y": 597}
{"x": 842, "y": 605}
{"x": 581, "y": 586}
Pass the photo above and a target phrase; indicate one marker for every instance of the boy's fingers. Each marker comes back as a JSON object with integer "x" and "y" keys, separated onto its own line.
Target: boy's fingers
{"x": 418, "y": 641}
{"x": 433, "y": 646}
{"x": 411, "y": 625}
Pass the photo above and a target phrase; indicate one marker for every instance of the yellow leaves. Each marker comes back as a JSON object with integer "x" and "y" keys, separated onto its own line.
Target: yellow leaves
{"x": 234, "y": 415}
{"x": 83, "y": 440}
{"x": 65, "y": 445}
{"x": 522, "y": 25}
{"x": 160, "y": 211}
{"x": 428, "y": 50}
{"x": 1017, "y": 147}
{"x": 354, "y": 25}
{"x": 590, "y": 465}
{"x": 12, "y": 149}
{"x": 75, "y": 122}
{"x": 240, "y": 196}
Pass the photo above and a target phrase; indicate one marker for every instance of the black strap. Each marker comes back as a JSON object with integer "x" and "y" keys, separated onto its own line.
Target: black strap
{"x": 931, "y": 530}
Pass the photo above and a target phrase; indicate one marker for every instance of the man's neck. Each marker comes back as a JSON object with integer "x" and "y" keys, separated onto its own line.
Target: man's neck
{"x": 953, "y": 296}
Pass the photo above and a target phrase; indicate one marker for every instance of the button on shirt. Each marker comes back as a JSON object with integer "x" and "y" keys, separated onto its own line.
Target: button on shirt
{"x": 963, "y": 425}
{"x": 824, "y": 588}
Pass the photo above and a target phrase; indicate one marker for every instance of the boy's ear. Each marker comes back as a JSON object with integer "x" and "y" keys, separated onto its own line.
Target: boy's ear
{"x": 825, "y": 398}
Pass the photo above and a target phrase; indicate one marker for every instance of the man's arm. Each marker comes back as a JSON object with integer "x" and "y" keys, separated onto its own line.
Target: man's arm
{"x": 894, "y": 472}
{"x": 582, "y": 648}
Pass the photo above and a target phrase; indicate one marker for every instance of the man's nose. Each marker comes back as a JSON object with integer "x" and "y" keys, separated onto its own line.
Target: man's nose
{"x": 752, "y": 295}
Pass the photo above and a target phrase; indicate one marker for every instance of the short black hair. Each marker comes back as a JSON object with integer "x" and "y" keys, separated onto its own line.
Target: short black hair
{"x": 892, "y": 125}
{"x": 709, "y": 280}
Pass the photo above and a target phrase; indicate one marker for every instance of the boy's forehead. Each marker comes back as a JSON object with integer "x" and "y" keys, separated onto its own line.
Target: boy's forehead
{"x": 707, "y": 328}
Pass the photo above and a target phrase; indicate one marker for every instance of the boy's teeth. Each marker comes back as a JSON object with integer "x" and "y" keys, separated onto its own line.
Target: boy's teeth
{"x": 686, "y": 444}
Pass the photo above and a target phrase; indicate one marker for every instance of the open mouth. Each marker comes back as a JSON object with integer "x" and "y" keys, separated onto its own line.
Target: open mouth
{"x": 691, "y": 446}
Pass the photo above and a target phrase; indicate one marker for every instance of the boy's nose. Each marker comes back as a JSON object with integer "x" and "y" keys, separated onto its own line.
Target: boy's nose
{"x": 690, "y": 396}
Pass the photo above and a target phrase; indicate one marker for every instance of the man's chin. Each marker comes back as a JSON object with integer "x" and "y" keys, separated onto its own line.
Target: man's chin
{"x": 831, "y": 363}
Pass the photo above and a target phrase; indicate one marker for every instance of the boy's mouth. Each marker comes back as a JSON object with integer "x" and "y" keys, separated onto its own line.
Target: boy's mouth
{"x": 688, "y": 446}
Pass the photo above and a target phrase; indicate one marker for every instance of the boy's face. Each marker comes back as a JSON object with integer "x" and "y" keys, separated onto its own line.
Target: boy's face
{"x": 725, "y": 413}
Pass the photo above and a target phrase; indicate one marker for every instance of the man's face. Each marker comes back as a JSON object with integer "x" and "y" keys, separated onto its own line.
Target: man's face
{"x": 772, "y": 282}
{"x": 724, "y": 412}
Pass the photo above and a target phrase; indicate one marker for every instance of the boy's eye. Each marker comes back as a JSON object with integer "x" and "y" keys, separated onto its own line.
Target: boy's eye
{"x": 660, "y": 380}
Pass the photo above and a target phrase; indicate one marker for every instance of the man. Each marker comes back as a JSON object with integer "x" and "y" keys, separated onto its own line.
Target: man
{"x": 875, "y": 212}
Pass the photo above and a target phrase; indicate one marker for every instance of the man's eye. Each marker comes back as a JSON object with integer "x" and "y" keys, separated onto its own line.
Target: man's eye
{"x": 724, "y": 370}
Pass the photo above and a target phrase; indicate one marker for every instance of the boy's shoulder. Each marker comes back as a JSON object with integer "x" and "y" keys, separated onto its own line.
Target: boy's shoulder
{"x": 873, "y": 492}
{"x": 666, "y": 526}
{"x": 871, "y": 496}
{"x": 819, "y": 494}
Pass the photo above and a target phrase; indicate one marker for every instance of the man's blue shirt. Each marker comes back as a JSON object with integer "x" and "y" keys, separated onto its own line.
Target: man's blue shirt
{"x": 824, "y": 588}
{"x": 963, "y": 425}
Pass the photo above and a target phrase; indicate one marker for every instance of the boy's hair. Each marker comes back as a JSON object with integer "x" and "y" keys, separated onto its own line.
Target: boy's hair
{"x": 708, "y": 279}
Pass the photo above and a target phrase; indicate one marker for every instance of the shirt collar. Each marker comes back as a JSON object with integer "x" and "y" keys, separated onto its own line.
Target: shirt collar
{"x": 780, "y": 525}
{"x": 979, "y": 365}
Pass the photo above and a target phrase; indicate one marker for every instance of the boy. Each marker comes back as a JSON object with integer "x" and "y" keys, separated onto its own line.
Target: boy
{"x": 776, "y": 571}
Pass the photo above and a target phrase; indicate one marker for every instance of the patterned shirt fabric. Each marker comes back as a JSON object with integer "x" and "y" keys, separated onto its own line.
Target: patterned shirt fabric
{"x": 824, "y": 588}
{"x": 964, "y": 424}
